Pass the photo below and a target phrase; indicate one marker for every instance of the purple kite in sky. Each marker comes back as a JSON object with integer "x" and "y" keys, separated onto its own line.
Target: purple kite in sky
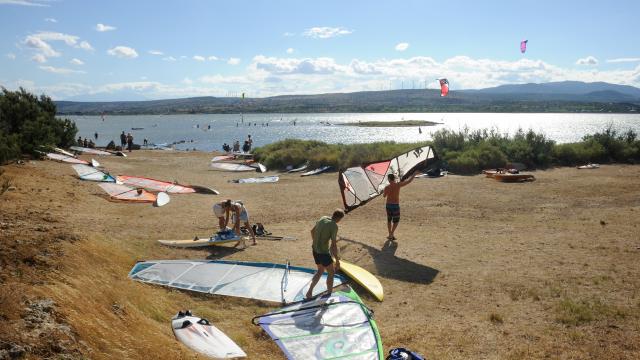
{"x": 523, "y": 46}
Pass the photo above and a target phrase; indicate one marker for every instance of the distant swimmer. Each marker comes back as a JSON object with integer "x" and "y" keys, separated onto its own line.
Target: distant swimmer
{"x": 392, "y": 193}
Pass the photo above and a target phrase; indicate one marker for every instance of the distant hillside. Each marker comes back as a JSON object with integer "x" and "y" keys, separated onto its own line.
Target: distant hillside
{"x": 568, "y": 96}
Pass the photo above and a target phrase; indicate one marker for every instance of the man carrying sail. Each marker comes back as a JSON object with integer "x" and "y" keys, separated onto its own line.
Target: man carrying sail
{"x": 392, "y": 193}
{"x": 325, "y": 231}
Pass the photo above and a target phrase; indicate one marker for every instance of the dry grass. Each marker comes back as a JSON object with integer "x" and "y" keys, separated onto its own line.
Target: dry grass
{"x": 481, "y": 270}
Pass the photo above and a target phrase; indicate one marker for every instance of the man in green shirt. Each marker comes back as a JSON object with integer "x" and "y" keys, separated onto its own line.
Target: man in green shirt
{"x": 325, "y": 231}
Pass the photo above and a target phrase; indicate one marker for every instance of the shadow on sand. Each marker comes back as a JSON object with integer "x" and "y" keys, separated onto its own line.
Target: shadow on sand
{"x": 392, "y": 267}
{"x": 220, "y": 252}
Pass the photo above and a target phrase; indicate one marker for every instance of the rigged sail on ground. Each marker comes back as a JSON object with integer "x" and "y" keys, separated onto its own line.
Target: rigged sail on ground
{"x": 330, "y": 327}
{"x": 361, "y": 184}
{"x": 261, "y": 281}
{"x": 523, "y": 46}
{"x": 86, "y": 172}
{"x": 444, "y": 87}
{"x": 85, "y": 150}
{"x": 125, "y": 193}
{"x": 155, "y": 185}
{"x": 67, "y": 159}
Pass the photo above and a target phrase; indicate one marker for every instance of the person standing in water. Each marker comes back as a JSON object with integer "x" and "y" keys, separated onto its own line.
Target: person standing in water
{"x": 392, "y": 193}
{"x": 325, "y": 249}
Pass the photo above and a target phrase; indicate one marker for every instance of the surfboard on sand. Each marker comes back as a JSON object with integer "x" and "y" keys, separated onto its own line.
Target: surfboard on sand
{"x": 316, "y": 171}
{"x": 198, "y": 242}
{"x": 221, "y": 237}
{"x": 199, "y": 335}
{"x": 363, "y": 278}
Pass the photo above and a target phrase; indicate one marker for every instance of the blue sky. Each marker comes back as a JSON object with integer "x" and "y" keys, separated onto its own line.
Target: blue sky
{"x": 130, "y": 50}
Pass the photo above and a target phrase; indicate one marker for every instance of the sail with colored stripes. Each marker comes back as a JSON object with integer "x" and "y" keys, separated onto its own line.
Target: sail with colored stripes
{"x": 338, "y": 326}
{"x": 155, "y": 185}
{"x": 361, "y": 184}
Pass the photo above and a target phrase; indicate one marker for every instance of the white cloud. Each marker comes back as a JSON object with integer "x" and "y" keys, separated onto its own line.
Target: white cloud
{"x": 40, "y": 44}
{"x": 187, "y": 81}
{"x": 288, "y": 34}
{"x": 123, "y": 52}
{"x": 62, "y": 71}
{"x": 51, "y": 20}
{"x": 24, "y": 2}
{"x": 155, "y": 52}
{"x": 402, "y": 46}
{"x": 623, "y": 60}
{"x": 212, "y": 58}
{"x": 11, "y": 56}
{"x": 75, "y": 61}
{"x": 169, "y": 58}
{"x": 85, "y": 45}
{"x": 103, "y": 28}
{"x": 39, "y": 58}
{"x": 290, "y": 51}
{"x": 281, "y": 66}
{"x": 198, "y": 58}
{"x": 326, "y": 32}
{"x": 589, "y": 60}
{"x": 36, "y": 43}
{"x": 233, "y": 61}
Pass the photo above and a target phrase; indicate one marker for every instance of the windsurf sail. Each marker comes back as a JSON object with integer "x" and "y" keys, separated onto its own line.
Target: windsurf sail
{"x": 523, "y": 46}
{"x": 360, "y": 184}
{"x": 260, "y": 180}
{"x": 85, "y": 150}
{"x": 125, "y": 193}
{"x": 444, "y": 87}
{"x": 67, "y": 159}
{"x": 224, "y": 166}
{"x": 253, "y": 280}
{"x": 155, "y": 185}
{"x": 338, "y": 326}
{"x": 92, "y": 174}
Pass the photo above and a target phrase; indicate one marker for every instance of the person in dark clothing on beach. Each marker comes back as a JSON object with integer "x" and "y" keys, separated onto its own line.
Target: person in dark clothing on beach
{"x": 129, "y": 142}
{"x": 325, "y": 249}
{"x": 85, "y": 143}
{"x": 123, "y": 140}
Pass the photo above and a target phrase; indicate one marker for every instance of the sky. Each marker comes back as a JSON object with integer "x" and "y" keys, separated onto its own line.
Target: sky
{"x": 136, "y": 50}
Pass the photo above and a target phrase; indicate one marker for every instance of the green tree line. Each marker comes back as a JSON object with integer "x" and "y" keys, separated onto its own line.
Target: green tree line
{"x": 28, "y": 123}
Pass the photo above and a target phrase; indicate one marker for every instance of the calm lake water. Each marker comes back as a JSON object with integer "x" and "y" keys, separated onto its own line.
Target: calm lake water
{"x": 209, "y": 132}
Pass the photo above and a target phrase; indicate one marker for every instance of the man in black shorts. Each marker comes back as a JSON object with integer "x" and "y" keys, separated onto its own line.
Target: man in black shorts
{"x": 325, "y": 231}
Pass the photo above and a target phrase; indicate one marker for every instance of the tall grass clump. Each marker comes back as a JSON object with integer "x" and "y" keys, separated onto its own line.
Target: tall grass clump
{"x": 469, "y": 151}
{"x": 293, "y": 152}
{"x": 28, "y": 122}
{"x": 601, "y": 147}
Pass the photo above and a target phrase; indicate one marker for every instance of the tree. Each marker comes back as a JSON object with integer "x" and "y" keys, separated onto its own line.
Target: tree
{"x": 28, "y": 122}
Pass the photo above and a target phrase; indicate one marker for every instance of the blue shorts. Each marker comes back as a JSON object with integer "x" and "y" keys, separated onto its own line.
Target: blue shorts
{"x": 393, "y": 213}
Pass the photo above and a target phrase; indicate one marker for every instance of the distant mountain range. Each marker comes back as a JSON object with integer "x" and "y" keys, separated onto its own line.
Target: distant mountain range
{"x": 566, "y": 96}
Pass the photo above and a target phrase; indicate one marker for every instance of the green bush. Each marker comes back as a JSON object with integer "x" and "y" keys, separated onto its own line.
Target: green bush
{"x": 28, "y": 122}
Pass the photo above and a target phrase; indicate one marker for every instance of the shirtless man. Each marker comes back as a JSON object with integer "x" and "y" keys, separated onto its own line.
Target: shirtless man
{"x": 392, "y": 193}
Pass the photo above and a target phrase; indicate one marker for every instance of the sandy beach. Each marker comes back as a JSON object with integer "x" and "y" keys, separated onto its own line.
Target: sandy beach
{"x": 481, "y": 269}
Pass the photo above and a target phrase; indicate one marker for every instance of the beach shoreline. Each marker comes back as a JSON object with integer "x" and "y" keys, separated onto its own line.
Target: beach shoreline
{"x": 481, "y": 269}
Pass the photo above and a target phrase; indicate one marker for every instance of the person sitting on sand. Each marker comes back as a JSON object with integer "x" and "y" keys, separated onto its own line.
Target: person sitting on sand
{"x": 325, "y": 231}
{"x": 392, "y": 193}
{"x": 236, "y": 146}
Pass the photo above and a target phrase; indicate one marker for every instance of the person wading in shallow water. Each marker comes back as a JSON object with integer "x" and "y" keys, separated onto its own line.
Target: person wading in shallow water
{"x": 325, "y": 249}
{"x": 392, "y": 193}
